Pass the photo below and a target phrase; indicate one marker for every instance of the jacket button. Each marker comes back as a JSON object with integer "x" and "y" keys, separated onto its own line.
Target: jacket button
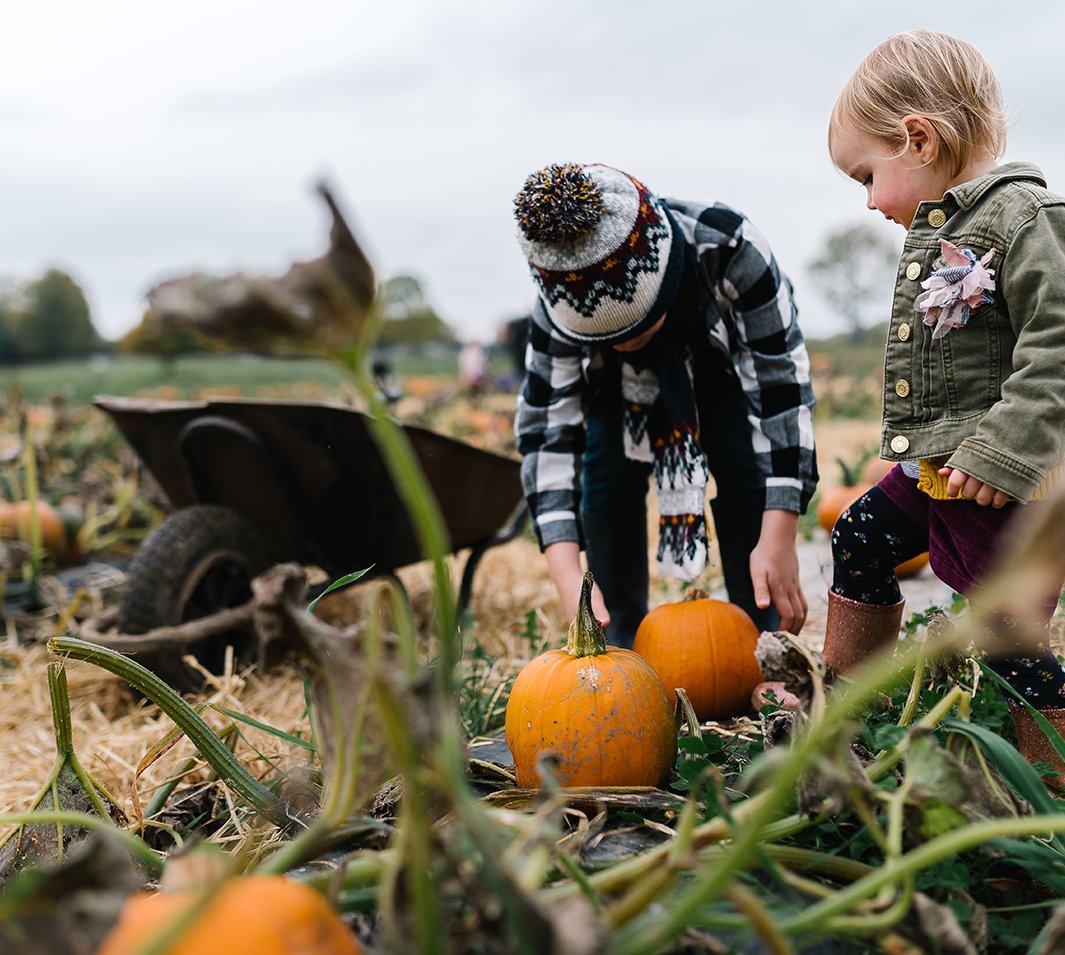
{"x": 899, "y": 443}
{"x": 902, "y": 387}
{"x": 904, "y": 332}
{"x": 913, "y": 271}
{"x": 936, "y": 218}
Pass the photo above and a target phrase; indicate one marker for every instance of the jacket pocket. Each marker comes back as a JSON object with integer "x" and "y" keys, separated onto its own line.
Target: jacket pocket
{"x": 970, "y": 359}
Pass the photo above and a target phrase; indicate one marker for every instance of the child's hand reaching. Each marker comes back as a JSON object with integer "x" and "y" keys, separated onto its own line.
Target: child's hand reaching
{"x": 972, "y": 489}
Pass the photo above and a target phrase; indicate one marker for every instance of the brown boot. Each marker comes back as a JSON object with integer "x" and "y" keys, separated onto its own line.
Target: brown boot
{"x": 856, "y": 631}
{"x": 1035, "y": 745}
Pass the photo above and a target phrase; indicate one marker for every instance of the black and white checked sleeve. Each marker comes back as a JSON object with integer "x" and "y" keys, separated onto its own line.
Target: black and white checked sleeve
{"x": 549, "y": 426}
{"x": 768, "y": 351}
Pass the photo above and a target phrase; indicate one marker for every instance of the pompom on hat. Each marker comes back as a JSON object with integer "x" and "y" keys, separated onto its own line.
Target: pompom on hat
{"x": 604, "y": 251}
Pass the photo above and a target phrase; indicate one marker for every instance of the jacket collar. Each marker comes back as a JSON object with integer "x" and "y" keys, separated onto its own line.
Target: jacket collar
{"x": 969, "y": 193}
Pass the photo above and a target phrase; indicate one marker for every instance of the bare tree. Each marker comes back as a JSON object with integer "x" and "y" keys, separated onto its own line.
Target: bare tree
{"x": 854, "y": 273}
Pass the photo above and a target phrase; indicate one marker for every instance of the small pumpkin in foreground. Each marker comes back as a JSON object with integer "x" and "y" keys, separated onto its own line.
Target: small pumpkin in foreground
{"x": 247, "y": 915}
{"x": 602, "y": 711}
{"x": 706, "y": 647}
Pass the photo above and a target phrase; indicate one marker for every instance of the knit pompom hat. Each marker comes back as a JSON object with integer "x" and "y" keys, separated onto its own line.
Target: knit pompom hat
{"x": 604, "y": 251}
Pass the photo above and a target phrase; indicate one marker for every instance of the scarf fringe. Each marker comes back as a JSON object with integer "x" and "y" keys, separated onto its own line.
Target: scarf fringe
{"x": 681, "y": 473}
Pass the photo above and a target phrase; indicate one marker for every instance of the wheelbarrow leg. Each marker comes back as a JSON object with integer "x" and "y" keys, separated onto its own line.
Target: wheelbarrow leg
{"x": 512, "y": 530}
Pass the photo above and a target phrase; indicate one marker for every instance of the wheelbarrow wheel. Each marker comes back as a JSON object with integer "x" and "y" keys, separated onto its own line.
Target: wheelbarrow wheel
{"x": 198, "y": 561}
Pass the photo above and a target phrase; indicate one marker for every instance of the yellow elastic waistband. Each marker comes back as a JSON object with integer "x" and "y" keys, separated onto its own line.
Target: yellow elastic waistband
{"x": 934, "y": 484}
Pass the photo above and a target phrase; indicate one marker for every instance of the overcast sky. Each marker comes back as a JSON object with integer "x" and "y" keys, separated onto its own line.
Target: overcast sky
{"x": 144, "y": 140}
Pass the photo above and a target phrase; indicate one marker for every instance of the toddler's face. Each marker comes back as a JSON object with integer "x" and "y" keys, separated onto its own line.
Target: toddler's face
{"x": 894, "y": 185}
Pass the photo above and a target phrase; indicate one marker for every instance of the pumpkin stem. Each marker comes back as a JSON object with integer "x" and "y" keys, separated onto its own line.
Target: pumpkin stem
{"x": 587, "y": 638}
{"x": 696, "y": 593}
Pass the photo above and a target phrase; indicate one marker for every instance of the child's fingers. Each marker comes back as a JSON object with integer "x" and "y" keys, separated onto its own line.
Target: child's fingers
{"x": 972, "y": 489}
{"x": 792, "y": 610}
{"x": 955, "y": 480}
{"x": 763, "y": 592}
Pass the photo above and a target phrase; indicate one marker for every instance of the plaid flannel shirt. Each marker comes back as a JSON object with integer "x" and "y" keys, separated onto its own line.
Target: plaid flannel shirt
{"x": 750, "y": 317}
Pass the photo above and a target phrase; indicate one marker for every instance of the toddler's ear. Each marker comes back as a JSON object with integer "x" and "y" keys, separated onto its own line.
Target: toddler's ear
{"x": 921, "y": 136}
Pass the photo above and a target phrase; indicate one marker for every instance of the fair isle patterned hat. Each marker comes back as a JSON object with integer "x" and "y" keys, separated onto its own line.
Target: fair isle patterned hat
{"x": 604, "y": 251}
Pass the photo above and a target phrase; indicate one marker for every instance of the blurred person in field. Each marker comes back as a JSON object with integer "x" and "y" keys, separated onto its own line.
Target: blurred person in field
{"x": 473, "y": 368}
{"x": 663, "y": 344}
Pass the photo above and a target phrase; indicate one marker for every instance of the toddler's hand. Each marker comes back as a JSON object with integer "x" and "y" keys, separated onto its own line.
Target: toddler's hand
{"x": 972, "y": 489}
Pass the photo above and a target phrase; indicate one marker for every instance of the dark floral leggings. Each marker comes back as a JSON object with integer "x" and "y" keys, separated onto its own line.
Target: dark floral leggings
{"x": 872, "y": 537}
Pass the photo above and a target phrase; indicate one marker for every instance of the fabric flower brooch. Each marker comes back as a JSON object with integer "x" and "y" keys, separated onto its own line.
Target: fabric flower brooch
{"x": 963, "y": 284}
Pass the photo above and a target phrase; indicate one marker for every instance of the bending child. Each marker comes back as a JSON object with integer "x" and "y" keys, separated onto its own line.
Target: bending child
{"x": 974, "y": 398}
{"x": 663, "y": 342}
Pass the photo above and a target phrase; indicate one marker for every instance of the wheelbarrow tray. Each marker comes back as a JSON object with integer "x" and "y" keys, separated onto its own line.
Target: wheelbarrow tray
{"x": 310, "y": 478}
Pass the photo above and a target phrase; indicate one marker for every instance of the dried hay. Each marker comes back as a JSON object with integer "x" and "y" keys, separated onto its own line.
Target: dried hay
{"x": 113, "y": 730}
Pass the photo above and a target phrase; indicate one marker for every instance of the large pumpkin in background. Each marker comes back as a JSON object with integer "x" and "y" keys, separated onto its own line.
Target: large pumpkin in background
{"x": 602, "y": 711}
{"x": 706, "y": 647}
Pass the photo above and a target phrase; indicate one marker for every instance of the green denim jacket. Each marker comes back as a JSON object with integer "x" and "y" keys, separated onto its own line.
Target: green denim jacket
{"x": 991, "y": 394}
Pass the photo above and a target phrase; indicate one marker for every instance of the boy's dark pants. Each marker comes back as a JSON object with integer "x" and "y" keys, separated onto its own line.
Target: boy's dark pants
{"x": 614, "y": 501}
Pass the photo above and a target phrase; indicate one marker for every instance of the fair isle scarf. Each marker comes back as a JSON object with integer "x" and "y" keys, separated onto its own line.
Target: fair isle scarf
{"x": 661, "y": 428}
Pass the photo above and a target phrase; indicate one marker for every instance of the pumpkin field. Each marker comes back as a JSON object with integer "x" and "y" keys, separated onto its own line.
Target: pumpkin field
{"x": 348, "y": 785}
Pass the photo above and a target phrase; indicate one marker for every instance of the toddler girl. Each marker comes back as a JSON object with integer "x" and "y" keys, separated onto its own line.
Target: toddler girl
{"x": 974, "y": 398}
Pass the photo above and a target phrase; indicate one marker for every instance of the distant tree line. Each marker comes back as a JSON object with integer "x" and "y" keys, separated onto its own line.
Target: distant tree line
{"x": 46, "y": 319}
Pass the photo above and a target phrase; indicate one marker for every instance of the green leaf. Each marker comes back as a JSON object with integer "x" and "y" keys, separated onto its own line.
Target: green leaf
{"x": 1043, "y": 861}
{"x": 938, "y": 817}
{"x": 1044, "y": 724}
{"x": 693, "y": 745}
{"x": 266, "y": 728}
{"x": 887, "y": 736}
{"x": 1011, "y": 765}
{"x": 690, "y": 770}
{"x": 340, "y": 582}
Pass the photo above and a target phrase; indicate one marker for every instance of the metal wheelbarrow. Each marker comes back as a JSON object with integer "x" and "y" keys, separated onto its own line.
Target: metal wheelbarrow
{"x": 253, "y": 483}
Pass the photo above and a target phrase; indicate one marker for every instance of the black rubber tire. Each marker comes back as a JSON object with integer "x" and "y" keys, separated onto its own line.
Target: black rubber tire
{"x": 199, "y": 560}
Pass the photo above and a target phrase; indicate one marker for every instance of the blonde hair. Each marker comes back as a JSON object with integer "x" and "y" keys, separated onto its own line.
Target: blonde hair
{"x": 933, "y": 75}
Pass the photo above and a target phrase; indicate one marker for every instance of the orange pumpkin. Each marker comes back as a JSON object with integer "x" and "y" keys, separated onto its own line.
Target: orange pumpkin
{"x": 248, "y": 915}
{"x": 836, "y": 500}
{"x": 913, "y": 566}
{"x": 875, "y": 468}
{"x": 705, "y": 647}
{"x": 602, "y": 711}
{"x": 16, "y": 523}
